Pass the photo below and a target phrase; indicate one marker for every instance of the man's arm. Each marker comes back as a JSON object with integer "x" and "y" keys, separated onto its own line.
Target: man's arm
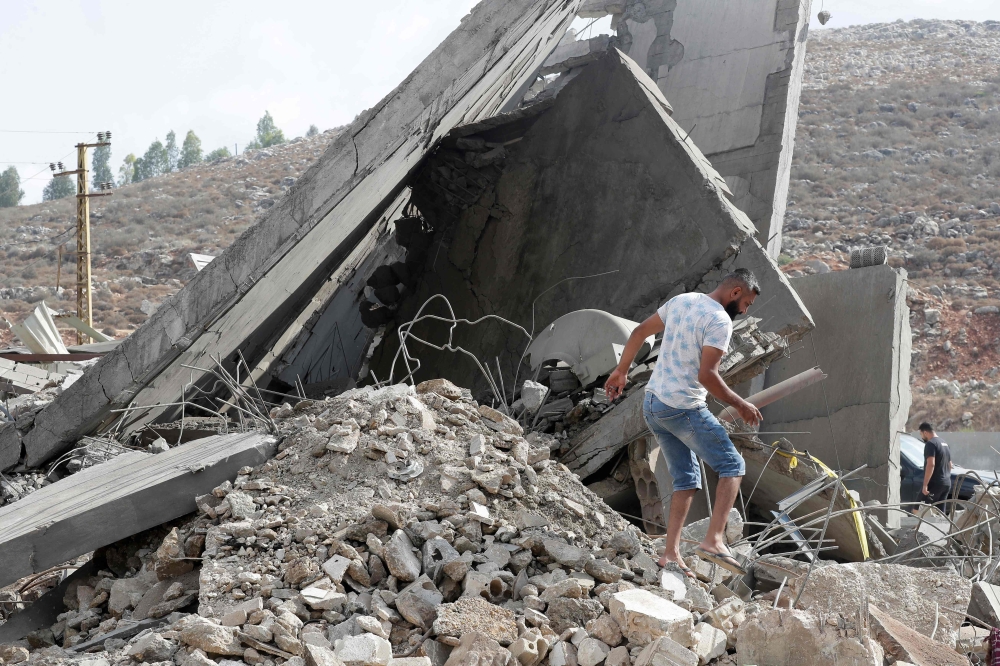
{"x": 709, "y": 377}
{"x": 928, "y": 471}
{"x": 616, "y": 382}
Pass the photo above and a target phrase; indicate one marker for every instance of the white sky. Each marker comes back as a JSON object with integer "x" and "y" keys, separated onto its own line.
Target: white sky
{"x": 141, "y": 69}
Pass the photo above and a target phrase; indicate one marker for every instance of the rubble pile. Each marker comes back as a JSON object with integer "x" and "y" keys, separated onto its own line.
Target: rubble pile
{"x": 413, "y": 525}
{"x": 321, "y": 554}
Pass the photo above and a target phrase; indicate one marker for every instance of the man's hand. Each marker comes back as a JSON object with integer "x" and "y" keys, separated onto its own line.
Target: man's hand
{"x": 748, "y": 412}
{"x": 615, "y": 384}
{"x": 925, "y": 492}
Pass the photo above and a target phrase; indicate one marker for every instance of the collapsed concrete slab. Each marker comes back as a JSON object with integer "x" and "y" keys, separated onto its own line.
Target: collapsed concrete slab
{"x": 927, "y": 601}
{"x": 862, "y": 340}
{"x": 268, "y": 281}
{"x": 733, "y": 73}
{"x": 116, "y": 499}
{"x": 599, "y": 180}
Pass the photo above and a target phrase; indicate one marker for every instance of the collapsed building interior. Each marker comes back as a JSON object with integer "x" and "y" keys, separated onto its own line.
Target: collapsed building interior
{"x": 502, "y": 220}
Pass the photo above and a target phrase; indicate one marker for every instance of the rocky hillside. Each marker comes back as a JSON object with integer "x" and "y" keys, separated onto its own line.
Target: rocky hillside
{"x": 898, "y": 144}
{"x": 141, "y": 237}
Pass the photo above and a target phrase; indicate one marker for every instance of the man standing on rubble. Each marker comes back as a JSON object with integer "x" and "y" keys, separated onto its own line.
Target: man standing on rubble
{"x": 937, "y": 465}
{"x": 696, "y": 331}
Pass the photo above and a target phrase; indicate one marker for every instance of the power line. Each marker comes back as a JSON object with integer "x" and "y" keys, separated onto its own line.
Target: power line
{"x": 41, "y": 132}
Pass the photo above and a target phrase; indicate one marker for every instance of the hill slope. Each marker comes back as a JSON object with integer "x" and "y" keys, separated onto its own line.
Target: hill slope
{"x": 898, "y": 143}
{"x": 141, "y": 236}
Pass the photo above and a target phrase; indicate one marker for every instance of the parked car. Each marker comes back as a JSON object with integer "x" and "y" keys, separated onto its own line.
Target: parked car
{"x": 911, "y": 468}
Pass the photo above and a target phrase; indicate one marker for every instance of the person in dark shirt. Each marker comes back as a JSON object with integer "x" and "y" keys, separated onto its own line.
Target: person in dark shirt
{"x": 937, "y": 465}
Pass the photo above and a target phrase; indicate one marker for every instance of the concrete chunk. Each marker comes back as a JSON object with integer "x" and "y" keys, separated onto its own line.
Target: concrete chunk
{"x": 666, "y": 652}
{"x": 363, "y": 650}
{"x": 985, "y": 603}
{"x": 909, "y": 591}
{"x": 643, "y": 617}
{"x": 108, "y": 502}
{"x": 476, "y": 649}
{"x": 782, "y": 637}
{"x": 904, "y": 644}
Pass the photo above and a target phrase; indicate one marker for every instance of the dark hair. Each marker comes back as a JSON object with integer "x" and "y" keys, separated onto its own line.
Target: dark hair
{"x": 926, "y": 427}
{"x": 743, "y": 277}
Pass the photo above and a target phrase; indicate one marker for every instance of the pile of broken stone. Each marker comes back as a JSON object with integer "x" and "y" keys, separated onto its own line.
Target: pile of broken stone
{"x": 412, "y": 526}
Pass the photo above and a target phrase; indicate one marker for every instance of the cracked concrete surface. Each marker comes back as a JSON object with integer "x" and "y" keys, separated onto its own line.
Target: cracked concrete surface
{"x": 733, "y": 73}
{"x": 282, "y": 261}
{"x": 604, "y": 171}
{"x": 862, "y": 342}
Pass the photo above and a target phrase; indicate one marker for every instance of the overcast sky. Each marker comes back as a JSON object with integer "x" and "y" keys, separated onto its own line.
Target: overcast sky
{"x": 141, "y": 69}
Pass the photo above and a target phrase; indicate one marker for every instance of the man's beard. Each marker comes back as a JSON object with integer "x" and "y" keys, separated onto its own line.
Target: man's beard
{"x": 733, "y": 308}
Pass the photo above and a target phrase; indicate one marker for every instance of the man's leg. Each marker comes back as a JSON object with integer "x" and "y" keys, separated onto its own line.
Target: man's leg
{"x": 725, "y": 498}
{"x": 683, "y": 467}
{"x": 680, "y": 503}
{"x": 710, "y": 441}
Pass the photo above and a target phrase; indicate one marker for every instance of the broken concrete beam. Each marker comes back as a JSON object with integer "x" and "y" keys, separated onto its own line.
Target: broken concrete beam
{"x": 862, "y": 340}
{"x": 920, "y": 597}
{"x": 904, "y": 644}
{"x": 118, "y": 498}
{"x": 249, "y": 296}
{"x": 985, "y": 603}
{"x": 782, "y": 637}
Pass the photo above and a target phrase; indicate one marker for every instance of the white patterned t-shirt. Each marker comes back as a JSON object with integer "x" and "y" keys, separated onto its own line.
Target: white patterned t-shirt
{"x": 691, "y": 321}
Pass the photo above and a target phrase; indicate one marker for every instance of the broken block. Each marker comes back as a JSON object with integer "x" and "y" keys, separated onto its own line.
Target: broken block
{"x": 666, "y": 652}
{"x": 782, "y": 637}
{"x": 643, "y": 617}
{"x": 363, "y": 650}
{"x": 985, "y": 603}
{"x": 904, "y": 644}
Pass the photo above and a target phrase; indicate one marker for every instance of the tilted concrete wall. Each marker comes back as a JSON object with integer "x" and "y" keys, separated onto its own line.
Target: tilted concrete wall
{"x": 268, "y": 280}
{"x": 602, "y": 181}
{"x": 733, "y": 72}
{"x": 862, "y": 342}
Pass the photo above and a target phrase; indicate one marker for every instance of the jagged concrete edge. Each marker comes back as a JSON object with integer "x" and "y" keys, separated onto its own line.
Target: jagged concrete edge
{"x": 118, "y": 498}
{"x": 463, "y": 64}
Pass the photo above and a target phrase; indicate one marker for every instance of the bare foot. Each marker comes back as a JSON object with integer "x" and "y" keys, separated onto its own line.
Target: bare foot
{"x": 679, "y": 561}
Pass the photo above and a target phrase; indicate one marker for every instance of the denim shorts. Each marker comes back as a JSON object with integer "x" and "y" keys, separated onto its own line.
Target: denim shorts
{"x": 686, "y": 434}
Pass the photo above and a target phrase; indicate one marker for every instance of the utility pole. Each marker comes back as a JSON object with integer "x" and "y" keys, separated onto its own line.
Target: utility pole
{"x": 84, "y": 298}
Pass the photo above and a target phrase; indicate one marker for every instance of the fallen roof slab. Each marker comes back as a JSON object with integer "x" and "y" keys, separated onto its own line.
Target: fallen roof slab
{"x": 601, "y": 180}
{"x": 247, "y": 297}
{"x": 116, "y": 499}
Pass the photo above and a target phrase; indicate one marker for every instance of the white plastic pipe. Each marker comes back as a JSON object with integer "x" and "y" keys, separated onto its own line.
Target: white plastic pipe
{"x": 777, "y": 392}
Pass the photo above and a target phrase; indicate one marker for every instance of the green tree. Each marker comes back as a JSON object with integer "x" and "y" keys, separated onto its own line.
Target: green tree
{"x": 59, "y": 188}
{"x": 190, "y": 151}
{"x": 218, "y": 153}
{"x": 173, "y": 153}
{"x": 155, "y": 162}
{"x": 267, "y": 133}
{"x": 126, "y": 172}
{"x": 10, "y": 188}
{"x": 101, "y": 166}
{"x": 312, "y": 131}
